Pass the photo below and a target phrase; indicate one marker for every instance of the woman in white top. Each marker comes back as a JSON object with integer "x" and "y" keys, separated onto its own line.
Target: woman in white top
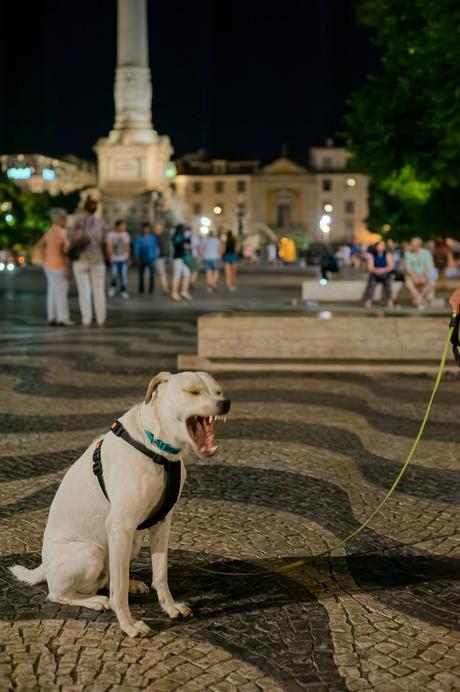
{"x": 211, "y": 260}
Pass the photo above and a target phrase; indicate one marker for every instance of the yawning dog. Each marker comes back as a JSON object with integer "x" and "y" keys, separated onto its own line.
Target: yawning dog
{"x": 90, "y": 539}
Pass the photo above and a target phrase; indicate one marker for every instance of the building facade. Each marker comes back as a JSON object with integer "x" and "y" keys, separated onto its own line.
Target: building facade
{"x": 41, "y": 173}
{"x": 319, "y": 202}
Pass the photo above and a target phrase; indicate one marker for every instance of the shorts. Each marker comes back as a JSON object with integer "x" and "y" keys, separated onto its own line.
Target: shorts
{"x": 212, "y": 265}
{"x": 230, "y": 258}
{"x": 160, "y": 266}
{"x": 194, "y": 264}
{"x": 180, "y": 269}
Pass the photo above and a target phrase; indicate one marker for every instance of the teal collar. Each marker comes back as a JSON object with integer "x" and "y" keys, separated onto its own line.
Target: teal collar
{"x": 163, "y": 446}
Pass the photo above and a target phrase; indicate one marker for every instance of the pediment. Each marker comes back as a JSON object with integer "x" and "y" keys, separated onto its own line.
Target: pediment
{"x": 283, "y": 166}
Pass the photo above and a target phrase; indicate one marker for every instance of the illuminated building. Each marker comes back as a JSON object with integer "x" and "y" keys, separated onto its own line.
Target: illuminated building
{"x": 40, "y": 173}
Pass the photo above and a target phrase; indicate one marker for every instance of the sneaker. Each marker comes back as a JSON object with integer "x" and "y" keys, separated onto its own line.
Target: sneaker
{"x": 125, "y": 295}
{"x": 111, "y": 291}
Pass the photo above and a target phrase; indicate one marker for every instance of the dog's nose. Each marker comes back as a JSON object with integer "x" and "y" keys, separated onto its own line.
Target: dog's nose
{"x": 224, "y": 405}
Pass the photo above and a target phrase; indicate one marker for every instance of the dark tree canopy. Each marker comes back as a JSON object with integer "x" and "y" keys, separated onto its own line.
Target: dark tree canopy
{"x": 403, "y": 125}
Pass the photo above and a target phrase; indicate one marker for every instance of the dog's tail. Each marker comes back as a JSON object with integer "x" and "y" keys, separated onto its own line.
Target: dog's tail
{"x": 30, "y": 576}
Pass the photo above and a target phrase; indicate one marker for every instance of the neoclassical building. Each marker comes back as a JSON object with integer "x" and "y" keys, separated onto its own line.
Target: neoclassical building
{"x": 319, "y": 201}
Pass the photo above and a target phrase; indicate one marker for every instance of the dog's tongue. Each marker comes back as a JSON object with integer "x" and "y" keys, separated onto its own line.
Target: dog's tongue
{"x": 205, "y": 436}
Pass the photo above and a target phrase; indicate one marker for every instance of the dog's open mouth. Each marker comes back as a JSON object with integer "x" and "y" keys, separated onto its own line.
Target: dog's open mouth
{"x": 201, "y": 430}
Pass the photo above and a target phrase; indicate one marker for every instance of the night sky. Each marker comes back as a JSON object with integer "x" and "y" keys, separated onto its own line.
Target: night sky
{"x": 237, "y": 78}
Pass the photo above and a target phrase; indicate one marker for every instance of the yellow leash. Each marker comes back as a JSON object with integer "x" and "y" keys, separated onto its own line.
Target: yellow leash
{"x": 356, "y": 532}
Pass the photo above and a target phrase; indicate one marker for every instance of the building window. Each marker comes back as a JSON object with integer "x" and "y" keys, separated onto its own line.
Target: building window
{"x": 197, "y": 186}
{"x": 219, "y": 186}
{"x": 197, "y": 209}
{"x": 241, "y": 186}
{"x": 327, "y": 184}
{"x": 349, "y": 206}
{"x": 327, "y": 163}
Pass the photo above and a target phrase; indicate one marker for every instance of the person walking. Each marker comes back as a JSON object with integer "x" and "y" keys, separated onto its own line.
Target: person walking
{"x": 118, "y": 247}
{"x": 418, "y": 264}
{"x": 211, "y": 260}
{"x": 87, "y": 250}
{"x": 380, "y": 264}
{"x": 230, "y": 258}
{"x": 145, "y": 254}
{"x": 181, "y": 271}
{"x": 53, "y": 247}
{"x": 162, "y": 255}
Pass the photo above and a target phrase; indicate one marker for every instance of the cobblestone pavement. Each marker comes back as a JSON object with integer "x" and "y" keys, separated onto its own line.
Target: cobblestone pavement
{"x": 302, "y": 461}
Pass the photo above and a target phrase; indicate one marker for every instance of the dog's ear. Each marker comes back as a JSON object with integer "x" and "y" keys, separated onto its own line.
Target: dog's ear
{"x": 154, "y": 383}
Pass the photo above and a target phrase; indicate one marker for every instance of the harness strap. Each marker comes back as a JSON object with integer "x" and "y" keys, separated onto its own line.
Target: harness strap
{"x": 172, "y": 471}
{"x": 455, "y": 336}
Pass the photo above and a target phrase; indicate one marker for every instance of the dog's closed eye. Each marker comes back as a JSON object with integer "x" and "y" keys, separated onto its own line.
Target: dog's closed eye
{"x": 194, "y": 392}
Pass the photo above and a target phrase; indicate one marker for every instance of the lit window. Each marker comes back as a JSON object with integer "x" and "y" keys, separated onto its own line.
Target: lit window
{"x": 219, "y": 186}
{"x": 351, "y": 182}
{"x": 327, "y": 206}
{"x": 197, "y": 187}
{"x": 349, "y": 206}
{"x": 218, "y": 209}
{"x": 326, "y": 184}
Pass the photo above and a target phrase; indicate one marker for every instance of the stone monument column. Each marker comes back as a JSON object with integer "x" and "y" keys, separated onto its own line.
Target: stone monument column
{"x": 133, "y": 160}
{"x": 133, "y": 84}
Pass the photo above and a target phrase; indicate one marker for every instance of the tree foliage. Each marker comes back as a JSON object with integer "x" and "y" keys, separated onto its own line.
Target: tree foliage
{"x": 403, "y": 125}
{"x": 24, "y": 215}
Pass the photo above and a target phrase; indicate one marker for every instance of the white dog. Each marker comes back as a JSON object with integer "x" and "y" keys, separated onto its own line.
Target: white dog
{"x": 90, "y": 538}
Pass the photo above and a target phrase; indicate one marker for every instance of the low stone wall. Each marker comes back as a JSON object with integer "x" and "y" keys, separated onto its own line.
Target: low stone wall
{"x": 342, "y": 291}
{"x": 256, "y": 341}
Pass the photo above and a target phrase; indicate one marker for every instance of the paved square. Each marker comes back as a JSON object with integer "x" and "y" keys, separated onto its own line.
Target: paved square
{"x": 302, "y": 461}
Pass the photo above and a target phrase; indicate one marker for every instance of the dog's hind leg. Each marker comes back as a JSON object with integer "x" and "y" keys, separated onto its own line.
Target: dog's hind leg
{"x": 75, "y": 573}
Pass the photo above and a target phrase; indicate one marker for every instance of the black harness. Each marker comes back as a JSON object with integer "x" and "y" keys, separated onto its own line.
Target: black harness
{"x": 172, "y": 470}
{"x": 455, "y": 336}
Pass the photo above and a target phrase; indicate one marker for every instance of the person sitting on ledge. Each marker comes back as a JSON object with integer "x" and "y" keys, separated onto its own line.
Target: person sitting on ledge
{"x": 380, "y": 264}
{"x": 418, "y": 264}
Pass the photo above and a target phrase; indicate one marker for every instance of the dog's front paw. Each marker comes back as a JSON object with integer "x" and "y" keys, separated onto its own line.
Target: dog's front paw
{"x": 175, "y": 609}
{"x": 137, "y": 628}
{"x": 136, "y": 586}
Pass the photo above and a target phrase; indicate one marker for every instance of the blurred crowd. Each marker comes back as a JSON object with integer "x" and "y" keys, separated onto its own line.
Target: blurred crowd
{"x": 420, "y": 267}
{"x": 97, "y": 256}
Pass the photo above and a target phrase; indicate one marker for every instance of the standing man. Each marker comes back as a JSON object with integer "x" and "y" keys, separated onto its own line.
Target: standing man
{"x": 162, "y": 254}
{"x": 418, "y": 264}
{"x": 118, "y": 245}
{"x": 54, "y": 246}
{"x": 89, "y": 239}
{"x": 145, "y": 255}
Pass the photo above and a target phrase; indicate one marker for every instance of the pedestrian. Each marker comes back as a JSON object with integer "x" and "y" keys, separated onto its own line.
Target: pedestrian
{"x": 418, "y": 265}
{"x": 194, "y": 261}
{"x": 145, "y": 254}
{"x": 211, "y": 260}
{"x": 118, "y": 246}
{"x": 53, "y": 247}
{"x": 230, "y": 258}
{"x": 441, "y": 259}
{"x": 162, "y": 255}
{"x": 328, "y": 263}
{"x": 380, "y": 264}
{"x": 88, "y": 247}
{"x": 272, "y": 253}
{"x": 181, "y": 270}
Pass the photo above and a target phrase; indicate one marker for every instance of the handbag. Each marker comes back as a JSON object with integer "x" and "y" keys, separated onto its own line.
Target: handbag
{"x": 77, "y": 246}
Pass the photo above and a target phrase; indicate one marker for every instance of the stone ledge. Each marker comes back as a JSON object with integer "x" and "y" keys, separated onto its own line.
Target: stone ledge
{"x": 307, "y": 343}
